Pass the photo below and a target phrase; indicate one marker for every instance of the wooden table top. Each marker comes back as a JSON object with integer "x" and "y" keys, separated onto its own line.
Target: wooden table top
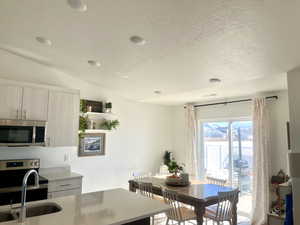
{"x": 195, "y": 190}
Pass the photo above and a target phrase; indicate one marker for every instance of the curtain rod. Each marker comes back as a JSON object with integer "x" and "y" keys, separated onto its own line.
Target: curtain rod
{"x": 236, "y": 101}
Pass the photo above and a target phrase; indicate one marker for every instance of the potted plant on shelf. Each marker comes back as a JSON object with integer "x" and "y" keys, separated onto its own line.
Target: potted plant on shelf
{"x": 110, "y": 124}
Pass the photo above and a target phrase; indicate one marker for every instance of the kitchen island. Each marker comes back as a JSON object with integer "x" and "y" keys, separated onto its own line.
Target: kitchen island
{"x": 111, "y": 207}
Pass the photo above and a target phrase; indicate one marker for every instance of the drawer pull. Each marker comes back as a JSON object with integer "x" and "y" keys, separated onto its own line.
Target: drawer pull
{"x": 65, "y": 185}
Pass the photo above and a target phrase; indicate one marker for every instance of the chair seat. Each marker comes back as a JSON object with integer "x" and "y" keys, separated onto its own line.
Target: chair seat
{"x": 159, "y": 198}
{"x": 211, "y": 213}
{"x": 187, "y": 214}
{"x": 211, "y": 208}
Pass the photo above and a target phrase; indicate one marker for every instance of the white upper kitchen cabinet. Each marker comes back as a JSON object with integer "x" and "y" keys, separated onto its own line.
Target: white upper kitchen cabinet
{"x": 35, "y": 103}
{"x": 63, "y": 119}
{"x": 10, "y": 102}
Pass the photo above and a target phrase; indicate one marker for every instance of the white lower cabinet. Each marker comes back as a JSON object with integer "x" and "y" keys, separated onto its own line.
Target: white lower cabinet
{"x": 59, "y": 194}
{"x": 66, "y": 187}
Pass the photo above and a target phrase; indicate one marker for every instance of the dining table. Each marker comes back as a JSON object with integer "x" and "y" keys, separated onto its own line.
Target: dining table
{"x": 198, "y": 194}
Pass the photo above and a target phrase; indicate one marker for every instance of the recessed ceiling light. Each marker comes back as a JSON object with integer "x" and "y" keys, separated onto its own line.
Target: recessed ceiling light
{"x": 78, "y": 5}
{"x": 124, "y": 77}
{"x": 43, "y": 40}
{"x": 157, "y": 92}
{"x": 94, "y": 63}
{"x": 137, "y": 40}
{"x": 214, "y": 80}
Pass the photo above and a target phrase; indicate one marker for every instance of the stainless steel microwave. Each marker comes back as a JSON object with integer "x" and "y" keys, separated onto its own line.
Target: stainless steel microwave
{"x": 16, "y": 133}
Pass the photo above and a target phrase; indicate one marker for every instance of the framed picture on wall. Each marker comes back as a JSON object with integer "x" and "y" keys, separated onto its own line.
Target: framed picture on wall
{"x": 91, "y": 144}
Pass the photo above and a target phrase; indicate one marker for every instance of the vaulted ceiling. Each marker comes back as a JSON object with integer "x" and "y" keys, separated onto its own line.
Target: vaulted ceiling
{"x": 248, "y": 44}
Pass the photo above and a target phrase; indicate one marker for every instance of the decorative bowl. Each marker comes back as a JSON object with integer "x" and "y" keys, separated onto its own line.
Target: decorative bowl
{"x": 176, "y": 181}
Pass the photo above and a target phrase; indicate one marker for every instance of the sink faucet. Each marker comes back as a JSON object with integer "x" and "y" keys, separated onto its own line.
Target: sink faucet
{"x": 22, "y": 215}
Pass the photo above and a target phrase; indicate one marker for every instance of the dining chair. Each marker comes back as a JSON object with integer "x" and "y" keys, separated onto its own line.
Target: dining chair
{"x": 140, "y": 175}
{"x": 217, "y": 181}
{"x": 146, "y": 189}
{"x": 177, "y": 213}
{"x": 223, "y": 211}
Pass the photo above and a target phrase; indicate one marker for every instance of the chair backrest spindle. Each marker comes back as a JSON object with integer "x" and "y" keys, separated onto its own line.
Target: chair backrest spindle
{"x": 217, "y": 181}
{"x": 225, "y": 204}
{"x": 170, "y": 198}
{"x": 145, "y": 189}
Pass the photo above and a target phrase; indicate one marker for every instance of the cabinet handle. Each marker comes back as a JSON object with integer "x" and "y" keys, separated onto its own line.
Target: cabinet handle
{"x": 17, "y": 114}
{"x": 25, "y": 114}
{"x": 65, "y": 185}
{"x": 48, "y": 141}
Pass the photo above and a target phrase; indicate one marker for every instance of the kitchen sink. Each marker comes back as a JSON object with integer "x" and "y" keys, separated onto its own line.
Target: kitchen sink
{"x": 42, "y": 209}
{"x": 6, "y": 216}
{"x": 31, "y": 211}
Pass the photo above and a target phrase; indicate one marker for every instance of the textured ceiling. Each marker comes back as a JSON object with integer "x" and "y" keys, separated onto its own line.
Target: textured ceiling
{"x": 249, "y": 44}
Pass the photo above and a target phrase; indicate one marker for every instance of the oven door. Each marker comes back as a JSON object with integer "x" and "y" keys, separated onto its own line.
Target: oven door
{"x": 16, "y": 135}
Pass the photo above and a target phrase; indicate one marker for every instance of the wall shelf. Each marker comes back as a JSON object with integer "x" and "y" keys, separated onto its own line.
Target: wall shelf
{"x": 93, "y": 131}
{"x": 94, "y": 115}
{"x": 95, "y": 119}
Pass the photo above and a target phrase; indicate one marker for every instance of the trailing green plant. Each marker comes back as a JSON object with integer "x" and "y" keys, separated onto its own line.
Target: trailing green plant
{"x": 83, "y": 123}
{"x": 110, "y": 124}
{"x": 83, "y": 105}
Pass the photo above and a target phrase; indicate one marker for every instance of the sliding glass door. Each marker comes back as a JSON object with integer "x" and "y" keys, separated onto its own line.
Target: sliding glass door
{"x": 216, "y": 150}
{"x": 242, "y": 155}
{"x": 227, "y": 153}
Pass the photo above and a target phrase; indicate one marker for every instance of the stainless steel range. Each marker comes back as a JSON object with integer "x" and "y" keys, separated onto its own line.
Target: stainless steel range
{"x": 11, "y": 177}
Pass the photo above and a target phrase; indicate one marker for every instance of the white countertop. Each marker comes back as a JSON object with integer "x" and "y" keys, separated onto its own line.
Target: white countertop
{"x": 60, "y": 176}
{"x": 58, "y": 173}
{"x": 111, "y": 207}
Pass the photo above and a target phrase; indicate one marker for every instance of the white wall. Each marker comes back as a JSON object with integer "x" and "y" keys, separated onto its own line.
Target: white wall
{"x": 279, "y": 115}
{"x": 293, "y": 78}
{"x": 137, "y": 145}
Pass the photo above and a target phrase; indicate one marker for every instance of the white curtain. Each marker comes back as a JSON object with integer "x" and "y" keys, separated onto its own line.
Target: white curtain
{"x": 261, "y": 162}
{"x": 191, "y": 141}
